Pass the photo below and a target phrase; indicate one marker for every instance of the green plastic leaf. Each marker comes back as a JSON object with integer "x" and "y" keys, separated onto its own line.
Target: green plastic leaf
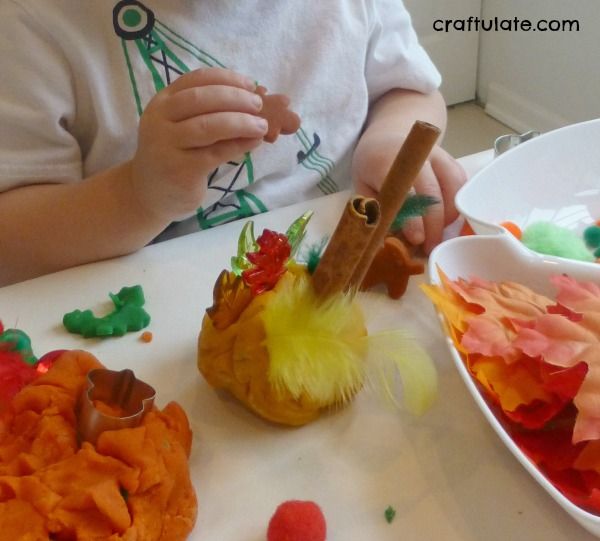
{"x": 296, "y": 231}
{"x": 246, "y": 243}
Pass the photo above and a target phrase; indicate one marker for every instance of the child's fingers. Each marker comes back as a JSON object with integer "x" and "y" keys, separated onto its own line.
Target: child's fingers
{"x": 205, "y": 130}
{"x": 224, "y": 151}
{"x": 433, "y": 221}
{"x": 199, "y": 100}
{"x": 365, "y": 189}
{"x": 414, "y": 231}
{"x": 211, "y": 76}
{"x": 451, "y": 176}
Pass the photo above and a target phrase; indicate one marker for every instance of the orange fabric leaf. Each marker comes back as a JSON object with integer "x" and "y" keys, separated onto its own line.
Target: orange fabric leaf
{"x": 578, "y": 296}
{"x": 513, "y": 385}
{"x": 492, "y": 337}
{"x": 452, "y": 306}
{"x": 565, "y": 343}
{"x": 503, "y": 300}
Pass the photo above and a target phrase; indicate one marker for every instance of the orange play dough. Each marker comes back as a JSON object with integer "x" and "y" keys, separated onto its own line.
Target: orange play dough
{"x": 134, "y": 485}
{"x": 236, "y": 359}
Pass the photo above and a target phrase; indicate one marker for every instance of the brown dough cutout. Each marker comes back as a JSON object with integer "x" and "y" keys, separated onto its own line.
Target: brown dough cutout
{"x": 393, "y": 266}
{"x": 276, "y": 112}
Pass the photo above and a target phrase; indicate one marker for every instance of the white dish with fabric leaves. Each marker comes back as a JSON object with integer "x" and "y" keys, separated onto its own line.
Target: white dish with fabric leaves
{"x": 503, "y": 258}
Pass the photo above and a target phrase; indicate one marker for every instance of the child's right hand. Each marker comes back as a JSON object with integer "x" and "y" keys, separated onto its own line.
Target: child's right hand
{"x": 203, "y": 119}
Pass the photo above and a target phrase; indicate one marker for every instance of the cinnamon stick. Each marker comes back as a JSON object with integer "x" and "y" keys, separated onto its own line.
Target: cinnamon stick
{"x": 346, "y": 246}
{"x": 407, "y": 164}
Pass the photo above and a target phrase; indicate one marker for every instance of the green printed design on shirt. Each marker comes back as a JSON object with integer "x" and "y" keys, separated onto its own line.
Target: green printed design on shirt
{"x": 310, "y": 158}
{"x": 234, "y": 204}
{"x": 244, "y": 206}
{"x": 166, "y": 55}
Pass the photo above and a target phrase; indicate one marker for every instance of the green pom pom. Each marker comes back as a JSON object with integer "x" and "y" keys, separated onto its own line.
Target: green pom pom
{"x": 591, "y": 236}
{"x": 551, "y": 239}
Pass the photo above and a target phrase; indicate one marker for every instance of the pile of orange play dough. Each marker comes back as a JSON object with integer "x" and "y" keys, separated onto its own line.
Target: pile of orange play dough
{"x": 133, "y": 486}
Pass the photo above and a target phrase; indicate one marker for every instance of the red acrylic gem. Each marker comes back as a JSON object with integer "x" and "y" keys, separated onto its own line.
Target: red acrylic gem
{"x": 269, "y": 262}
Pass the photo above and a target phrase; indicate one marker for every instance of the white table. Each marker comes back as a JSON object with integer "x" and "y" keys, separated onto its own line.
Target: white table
{"x": 446, "y": 474}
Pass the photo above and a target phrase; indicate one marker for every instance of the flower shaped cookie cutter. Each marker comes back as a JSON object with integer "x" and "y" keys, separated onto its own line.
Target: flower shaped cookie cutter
{"x": 111, "y": 401}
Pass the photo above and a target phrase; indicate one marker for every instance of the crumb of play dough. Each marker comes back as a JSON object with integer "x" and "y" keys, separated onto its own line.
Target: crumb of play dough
{"x": 146, "y": 337}
{"x": 276, "y": 112}
{"x": 389, "y": 514}
{"x": 296, "y": 520}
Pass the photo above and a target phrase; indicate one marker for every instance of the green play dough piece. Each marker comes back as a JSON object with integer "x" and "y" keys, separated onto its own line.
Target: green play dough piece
{"x": 19, "y": 343}
{"x": 128, "y": 316}
{"x": 389, "y": 514}
{"x": 551, "y": 239}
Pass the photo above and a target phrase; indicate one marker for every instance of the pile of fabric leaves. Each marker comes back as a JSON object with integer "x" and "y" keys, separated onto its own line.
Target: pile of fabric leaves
{"x": 537, "y": 362}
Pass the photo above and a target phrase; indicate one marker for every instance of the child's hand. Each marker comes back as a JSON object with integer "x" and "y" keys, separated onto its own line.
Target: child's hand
{"x": 440, "y": 177}
{"x": 205, "y": 118}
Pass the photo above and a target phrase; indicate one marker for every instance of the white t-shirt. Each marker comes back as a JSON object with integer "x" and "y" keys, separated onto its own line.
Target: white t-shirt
{"x": 76, "y": 75}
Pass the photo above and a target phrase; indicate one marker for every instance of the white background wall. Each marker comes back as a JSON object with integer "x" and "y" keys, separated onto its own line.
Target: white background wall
{"x": 541, "y": 80}
{"x": 454, "y": 53}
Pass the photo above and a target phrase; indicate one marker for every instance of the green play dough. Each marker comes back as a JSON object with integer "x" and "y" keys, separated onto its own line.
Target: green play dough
{"x": 551, "y": 239}
{"x": 19, "y": 342}
{"x": 128, "y": 316}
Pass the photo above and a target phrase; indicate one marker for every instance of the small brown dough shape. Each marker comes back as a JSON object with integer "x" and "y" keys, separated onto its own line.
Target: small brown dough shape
{"x": 276, "y": 112}
{"x": 393, "y": 266}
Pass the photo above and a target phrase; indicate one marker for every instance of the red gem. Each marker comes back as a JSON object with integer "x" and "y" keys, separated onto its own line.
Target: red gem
{"x": 269, "y": 262}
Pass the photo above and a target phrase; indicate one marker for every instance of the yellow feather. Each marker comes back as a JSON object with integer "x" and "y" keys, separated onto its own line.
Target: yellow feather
{"x": 321, "y": 349}
{"x": 396, "y": 353}
{"x": 316, "y": 348}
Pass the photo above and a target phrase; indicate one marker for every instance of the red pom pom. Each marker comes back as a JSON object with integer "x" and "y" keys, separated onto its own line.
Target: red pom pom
{"x": 297, "y": 520}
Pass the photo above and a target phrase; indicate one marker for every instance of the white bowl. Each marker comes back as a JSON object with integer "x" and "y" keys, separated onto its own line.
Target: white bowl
{"x": 502, "y": 257}
{"x": 552, "y": 178}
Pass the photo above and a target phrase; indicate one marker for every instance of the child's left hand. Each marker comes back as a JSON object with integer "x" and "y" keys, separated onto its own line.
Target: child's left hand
{"x": 441, "y": 177}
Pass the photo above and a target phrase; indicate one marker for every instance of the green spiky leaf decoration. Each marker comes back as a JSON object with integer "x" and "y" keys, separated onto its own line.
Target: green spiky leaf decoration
{"x": 246, "y": 243}
{"x": 297, "y": 231}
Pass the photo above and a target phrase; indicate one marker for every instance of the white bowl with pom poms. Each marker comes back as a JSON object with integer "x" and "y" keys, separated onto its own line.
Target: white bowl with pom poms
{"x": 553, "y": 178}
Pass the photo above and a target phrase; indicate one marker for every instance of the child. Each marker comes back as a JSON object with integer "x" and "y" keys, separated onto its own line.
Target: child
{"x": 118, "y": 118}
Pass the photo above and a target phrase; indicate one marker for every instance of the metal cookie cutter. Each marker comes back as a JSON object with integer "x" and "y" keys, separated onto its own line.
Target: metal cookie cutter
{"x": 511, "y": 140}
{"x": 131, "y": 398}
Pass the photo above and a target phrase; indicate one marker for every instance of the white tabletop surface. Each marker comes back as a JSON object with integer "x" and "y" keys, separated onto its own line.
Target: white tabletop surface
{"x": 446, "y": 474}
